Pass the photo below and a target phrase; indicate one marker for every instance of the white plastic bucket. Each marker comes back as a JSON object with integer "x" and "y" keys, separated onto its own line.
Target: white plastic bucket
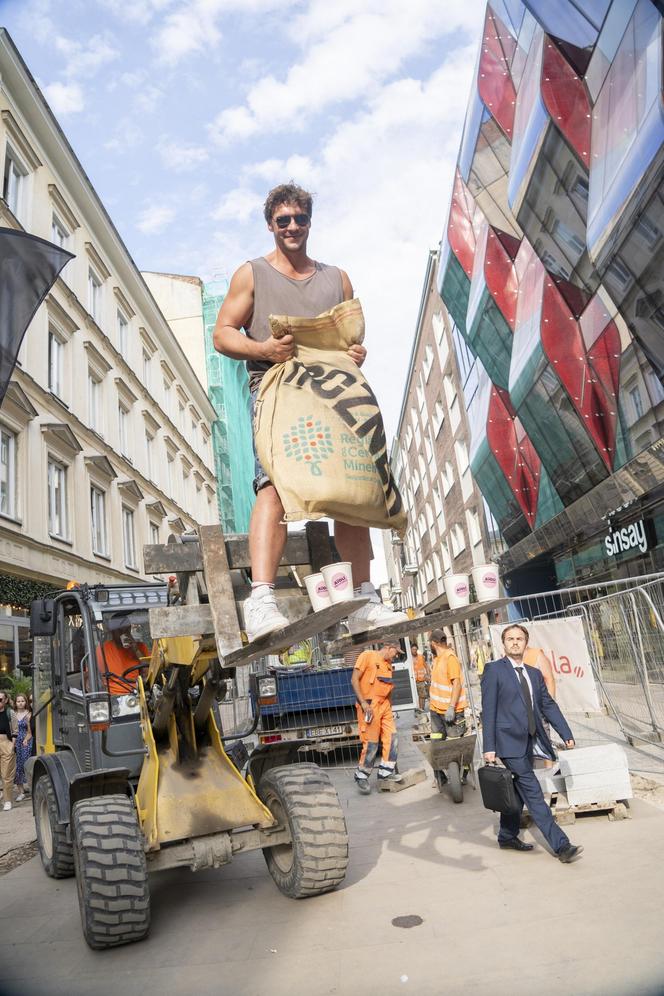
{"x": 339, "y": 581}
{"x": 457, "y": 589}
{"x": 485, "y": 579}
{"x": 317, "y": 591}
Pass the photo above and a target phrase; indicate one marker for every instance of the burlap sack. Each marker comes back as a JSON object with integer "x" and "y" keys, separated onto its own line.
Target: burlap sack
{"x": 319, "y": 432}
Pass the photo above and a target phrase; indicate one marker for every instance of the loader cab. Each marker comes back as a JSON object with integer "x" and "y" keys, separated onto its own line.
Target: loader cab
{"x": 84, "y": 649}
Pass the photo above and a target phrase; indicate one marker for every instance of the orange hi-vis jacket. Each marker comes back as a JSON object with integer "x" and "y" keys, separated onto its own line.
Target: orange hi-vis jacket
{"x": 446, "y": 668}
{"x": 375, "y": 673}
{"x": 116, "y": 660}
{"x": 419, "y": 668}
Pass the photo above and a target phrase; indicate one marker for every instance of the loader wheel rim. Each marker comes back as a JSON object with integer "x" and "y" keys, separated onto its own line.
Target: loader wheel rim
{"x": 45, "y": 832}
{"x": 282, "y": 854}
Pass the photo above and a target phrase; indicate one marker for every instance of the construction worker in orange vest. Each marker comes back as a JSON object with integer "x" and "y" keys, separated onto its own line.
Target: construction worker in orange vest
{"x": 372, "y": 683}
{"x": 122, "y": 653}
{"x": 421, "y": 673}
{"x": 447, "y": 697}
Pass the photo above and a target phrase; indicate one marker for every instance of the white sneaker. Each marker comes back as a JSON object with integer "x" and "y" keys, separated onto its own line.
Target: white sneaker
{"x": 261, "y": 616}
{"x": 375, "y": 613}
{"x": 7, "y": 806}
{"x": 20, "y": 798}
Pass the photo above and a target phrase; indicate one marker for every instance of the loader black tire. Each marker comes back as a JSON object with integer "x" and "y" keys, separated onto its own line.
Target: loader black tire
{"x": 302, "y": 797}
{"x": 55, "y": 848}
{"x": 111, "y": 871}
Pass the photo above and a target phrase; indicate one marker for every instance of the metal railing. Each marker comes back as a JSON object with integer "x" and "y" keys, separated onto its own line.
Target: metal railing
{"x": 623, "y": 624}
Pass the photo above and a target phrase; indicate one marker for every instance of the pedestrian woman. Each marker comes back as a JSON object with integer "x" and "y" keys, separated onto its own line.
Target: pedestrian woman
{"x": 23, "y": 743}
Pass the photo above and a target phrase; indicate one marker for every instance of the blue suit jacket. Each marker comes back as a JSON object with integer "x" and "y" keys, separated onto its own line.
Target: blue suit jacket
{"x": 504, "y": 713}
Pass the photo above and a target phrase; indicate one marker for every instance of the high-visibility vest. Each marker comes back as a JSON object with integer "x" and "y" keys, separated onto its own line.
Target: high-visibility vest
{"x": 376, "y": 680}
{"x": 440, "y": 692}
{"x": 419, "y": 668}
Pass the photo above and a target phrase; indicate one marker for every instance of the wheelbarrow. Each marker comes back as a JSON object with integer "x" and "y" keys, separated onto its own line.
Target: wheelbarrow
{"x": 449, "y": 758}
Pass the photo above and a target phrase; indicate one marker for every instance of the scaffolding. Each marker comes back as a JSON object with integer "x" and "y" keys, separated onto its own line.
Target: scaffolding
{"x": 228, "y": 389}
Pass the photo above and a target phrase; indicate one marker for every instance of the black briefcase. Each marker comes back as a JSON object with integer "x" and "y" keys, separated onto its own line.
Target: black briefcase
{"x": 497, "y": 788}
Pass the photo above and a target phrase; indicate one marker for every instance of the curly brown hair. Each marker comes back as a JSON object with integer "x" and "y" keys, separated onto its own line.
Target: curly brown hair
{"x": 287, "y": 193}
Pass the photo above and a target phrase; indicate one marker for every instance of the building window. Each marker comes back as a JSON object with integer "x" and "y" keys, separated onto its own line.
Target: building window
{"x": 56, "y": 349}
{"x": 123, "y": 335}
{"x": 98, "y": 521}
{"x": 447, "y": 560}
{"x": 194, "y": 435}
{"x": 427, "y": 362}
{"x": 450, "y": 391}
{"x": 180, "y": 416}
{"x": 167, "y": 396}
{"x": 637, "y": 402}
{"x": 7, "y": 472}
{"x": 123, "y": 429}
{"x": 94, "y": 401}
{"x": 128, "y": 540}
{"x": 458, "y": 539}
{"x": 149, "y": 454}
{"x": 461, "y": 451}
{"x": 14, "y": 182}
{"x": 447, "y": 477}
{"x": 147, "y": 360}
{"x": 57, "y": 499}
{"x": 94, "y": 295}
{"x": 154, "y": 533}
{"x": 170, "y": 460}
{"x": 438, "y": 417}
{"x": 474, "y": 530}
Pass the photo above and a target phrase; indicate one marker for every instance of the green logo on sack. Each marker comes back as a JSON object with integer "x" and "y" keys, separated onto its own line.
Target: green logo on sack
{"x": 309, "y": 442}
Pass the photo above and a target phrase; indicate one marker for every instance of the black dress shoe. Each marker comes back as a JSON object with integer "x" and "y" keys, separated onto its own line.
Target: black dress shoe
{"x": 515, "y": 845}
{"x": 569, "y": 853}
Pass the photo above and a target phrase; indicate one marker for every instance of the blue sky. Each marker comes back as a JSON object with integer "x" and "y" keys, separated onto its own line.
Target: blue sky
{"x": 185, "y": 112}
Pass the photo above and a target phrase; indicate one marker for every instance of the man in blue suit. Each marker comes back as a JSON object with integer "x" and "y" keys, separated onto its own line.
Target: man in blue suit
{"x": 514, "y": 703}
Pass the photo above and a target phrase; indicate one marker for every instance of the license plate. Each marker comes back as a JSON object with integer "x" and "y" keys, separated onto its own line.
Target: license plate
{"x": 325, "y": 731}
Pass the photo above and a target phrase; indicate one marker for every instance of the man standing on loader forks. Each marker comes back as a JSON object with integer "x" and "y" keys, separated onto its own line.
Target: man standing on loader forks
{"x": 373, "y": 683}
{"x": 286, "y": 282}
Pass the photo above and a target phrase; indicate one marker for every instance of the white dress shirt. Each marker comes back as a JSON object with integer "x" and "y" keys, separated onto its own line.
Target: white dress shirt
{"x": 527, "y": 676}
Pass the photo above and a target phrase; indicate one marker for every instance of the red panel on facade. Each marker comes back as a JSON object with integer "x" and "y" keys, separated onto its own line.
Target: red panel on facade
{"x": 460, "y": 232}
{"x": 591, "y": 386}
{"x": 494, "y": 81}
{"x": 500, "y": 276}
{"x": 566, "y": 99}
{"x": 514, "y": 453}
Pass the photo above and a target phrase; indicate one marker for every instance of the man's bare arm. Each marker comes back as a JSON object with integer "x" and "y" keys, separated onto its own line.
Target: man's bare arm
{"x": 234, "y": 314}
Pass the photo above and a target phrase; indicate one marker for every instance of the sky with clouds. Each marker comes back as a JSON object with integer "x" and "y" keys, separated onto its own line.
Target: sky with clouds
{"x": 185, "y": 112}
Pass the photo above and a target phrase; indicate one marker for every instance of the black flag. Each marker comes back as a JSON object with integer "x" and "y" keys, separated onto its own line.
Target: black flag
{"x": 28, "y": 268}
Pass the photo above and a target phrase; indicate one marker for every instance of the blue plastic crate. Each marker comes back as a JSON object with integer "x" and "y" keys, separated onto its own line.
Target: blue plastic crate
{"x": 307, "y": 690}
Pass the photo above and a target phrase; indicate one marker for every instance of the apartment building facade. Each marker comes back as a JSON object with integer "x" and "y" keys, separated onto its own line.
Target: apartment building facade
{"x": 447, "y": 532}
{"x": 105, "y": 429}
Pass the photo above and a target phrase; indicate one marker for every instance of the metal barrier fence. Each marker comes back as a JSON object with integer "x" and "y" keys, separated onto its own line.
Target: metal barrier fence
{"x": 623, "y": 624}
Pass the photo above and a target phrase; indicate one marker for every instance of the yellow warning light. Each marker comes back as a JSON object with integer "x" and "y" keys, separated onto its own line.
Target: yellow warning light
{"x": 73, "y": 584}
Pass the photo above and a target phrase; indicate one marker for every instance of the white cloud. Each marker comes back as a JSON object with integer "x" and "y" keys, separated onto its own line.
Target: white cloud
{"x": 84, "y": 60}
{"x": 146, "y": 100}
{"x": 239, "y": 205}
{"x": 64, "y": 98}
{"x": 180, "y": 157}
{"x": 193, "y": 26}
{"x": 155, "y": 218}
{"x": 348, "y": 52}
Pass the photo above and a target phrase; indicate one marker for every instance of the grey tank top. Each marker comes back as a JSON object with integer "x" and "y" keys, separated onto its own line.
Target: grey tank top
{"x": 276, "y": 294}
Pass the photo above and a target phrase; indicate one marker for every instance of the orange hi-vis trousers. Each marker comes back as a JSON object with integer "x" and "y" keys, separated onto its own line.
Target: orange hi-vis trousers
{"x": 381, "y": 730}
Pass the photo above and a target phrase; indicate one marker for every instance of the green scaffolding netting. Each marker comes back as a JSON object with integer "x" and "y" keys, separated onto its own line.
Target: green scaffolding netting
{"x": 228, "y": 389}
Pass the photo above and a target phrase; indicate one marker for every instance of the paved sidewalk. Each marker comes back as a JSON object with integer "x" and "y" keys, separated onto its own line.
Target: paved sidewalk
{"x": 17, "y": 834}
{"x": 493, "y": 922}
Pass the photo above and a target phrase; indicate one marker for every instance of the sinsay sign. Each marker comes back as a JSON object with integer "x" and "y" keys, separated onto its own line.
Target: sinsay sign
{"x": 632, "y": 537}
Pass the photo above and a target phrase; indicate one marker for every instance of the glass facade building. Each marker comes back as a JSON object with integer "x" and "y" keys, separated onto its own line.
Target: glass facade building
{"x": 552, "y": 269}
{"x": 232, "y": 442}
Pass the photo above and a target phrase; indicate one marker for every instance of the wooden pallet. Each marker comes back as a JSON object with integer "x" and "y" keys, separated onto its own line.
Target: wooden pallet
{"x": 564, "y": 813}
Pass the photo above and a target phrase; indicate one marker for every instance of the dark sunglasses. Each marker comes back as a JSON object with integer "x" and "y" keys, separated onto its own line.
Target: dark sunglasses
{"x": 284, "y": 220}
